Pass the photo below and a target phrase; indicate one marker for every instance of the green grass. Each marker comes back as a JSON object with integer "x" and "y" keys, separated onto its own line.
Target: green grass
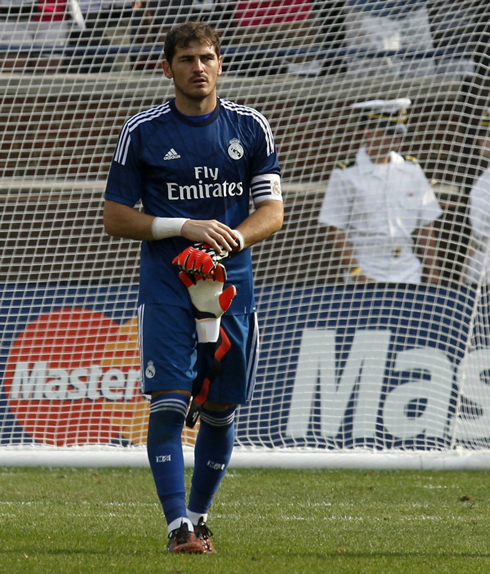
{"x": 264, "y": 521}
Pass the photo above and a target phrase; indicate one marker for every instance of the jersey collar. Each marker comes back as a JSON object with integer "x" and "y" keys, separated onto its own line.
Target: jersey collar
{"x": 192, "y": 123}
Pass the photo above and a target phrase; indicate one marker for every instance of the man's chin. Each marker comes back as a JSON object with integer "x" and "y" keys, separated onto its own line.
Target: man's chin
{"x": 199, "y": 95}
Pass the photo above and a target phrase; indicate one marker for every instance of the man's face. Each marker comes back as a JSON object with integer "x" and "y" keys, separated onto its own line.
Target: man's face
{"x": 194, "y": 70}
{"x": 381, "y": 142}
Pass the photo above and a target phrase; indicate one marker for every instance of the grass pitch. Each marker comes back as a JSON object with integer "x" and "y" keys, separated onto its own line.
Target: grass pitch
{"x": 264, "y": 521}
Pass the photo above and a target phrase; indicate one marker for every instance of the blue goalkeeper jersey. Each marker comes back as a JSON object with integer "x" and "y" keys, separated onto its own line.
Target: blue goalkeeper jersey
{"x": 209, "y": 169}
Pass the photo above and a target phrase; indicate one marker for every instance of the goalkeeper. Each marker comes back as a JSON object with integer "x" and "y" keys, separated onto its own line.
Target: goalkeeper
{"x": 195, "y": 163}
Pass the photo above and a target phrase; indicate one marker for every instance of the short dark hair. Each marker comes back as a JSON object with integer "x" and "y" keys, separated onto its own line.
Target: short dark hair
{"x": 183, "y": 34}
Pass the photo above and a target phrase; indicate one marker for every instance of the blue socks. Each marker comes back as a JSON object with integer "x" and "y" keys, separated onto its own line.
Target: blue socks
{"x": 212, "y": 454}
{"x": 167, "y": 415}
{"x": 213, "y": 449}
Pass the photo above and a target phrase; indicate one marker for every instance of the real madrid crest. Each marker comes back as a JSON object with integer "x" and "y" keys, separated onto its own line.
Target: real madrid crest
{"x": 150, "y": 370}
{"x": 235, "y": 149}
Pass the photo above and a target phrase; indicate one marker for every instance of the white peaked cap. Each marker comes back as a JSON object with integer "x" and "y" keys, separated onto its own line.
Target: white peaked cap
{"x": 388, "y": 114}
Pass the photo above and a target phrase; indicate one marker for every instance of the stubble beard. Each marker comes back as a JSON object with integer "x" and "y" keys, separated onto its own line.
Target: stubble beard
{"x": 196, "y": 97}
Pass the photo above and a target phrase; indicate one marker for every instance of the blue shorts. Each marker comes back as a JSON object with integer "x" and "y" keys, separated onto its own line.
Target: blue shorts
{"x": 171, "y": 358}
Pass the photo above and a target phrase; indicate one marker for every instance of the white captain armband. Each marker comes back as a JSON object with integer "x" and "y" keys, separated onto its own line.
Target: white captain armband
{"x": 163, "y": 227}
{"x": 265, "y": 187}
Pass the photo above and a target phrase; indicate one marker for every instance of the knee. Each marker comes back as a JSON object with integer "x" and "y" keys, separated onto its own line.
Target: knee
{"x": 221, "y": 420}
{"x": 217, "y": 407}
{"x": 167, "y": 414}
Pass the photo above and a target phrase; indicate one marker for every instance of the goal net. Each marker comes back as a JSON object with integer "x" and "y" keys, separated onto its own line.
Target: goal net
{"x": 390, "y": 372}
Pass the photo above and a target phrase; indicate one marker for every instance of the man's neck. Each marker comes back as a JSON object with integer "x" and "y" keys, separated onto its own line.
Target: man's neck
{"x": 190, "y": 107}
{"x": 377, "y": 156}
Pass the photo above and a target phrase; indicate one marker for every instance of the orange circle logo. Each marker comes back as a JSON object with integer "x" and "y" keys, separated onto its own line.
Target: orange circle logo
{"x": 73, "y": 378}
{"x": 65, "y": 374}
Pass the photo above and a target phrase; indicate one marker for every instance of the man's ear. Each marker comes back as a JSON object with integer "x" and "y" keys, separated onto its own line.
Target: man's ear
{"x": 166, "y": 69}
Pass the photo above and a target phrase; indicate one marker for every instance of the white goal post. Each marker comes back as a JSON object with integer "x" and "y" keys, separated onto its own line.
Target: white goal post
{"x": 379, "y": 375}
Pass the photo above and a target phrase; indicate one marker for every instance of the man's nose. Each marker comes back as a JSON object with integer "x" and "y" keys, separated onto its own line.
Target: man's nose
{"x": 198, "y": 65}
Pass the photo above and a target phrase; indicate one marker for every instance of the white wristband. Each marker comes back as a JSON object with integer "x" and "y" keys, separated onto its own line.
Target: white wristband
{"x": 163, "y": 227}
{"x": 240, "y": 238}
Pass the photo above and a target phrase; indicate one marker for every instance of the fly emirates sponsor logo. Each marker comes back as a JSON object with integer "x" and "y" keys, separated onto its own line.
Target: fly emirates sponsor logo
{"x": 207, "y": 186}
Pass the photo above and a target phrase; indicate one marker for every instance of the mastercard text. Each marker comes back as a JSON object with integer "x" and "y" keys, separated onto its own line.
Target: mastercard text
{"x": 38, "y": 381}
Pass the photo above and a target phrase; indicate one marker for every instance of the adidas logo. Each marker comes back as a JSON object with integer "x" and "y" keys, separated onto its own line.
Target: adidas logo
{"x": 171, "y": 154}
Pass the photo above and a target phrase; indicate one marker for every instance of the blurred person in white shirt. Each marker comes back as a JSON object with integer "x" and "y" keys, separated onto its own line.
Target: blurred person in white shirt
{"x": 35, "y": 31}
{"x": 400, "y": 27}
{"x": 478, "y": 261}
{"x": 380, "y": 206}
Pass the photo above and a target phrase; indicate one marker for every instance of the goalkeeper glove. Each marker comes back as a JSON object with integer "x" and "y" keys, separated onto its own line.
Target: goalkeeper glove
{"x": 200, "y": 259}
{"x": 209, "y": 301}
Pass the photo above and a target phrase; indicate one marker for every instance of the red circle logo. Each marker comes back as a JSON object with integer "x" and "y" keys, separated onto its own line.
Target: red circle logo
{"x": 72, "y": 378}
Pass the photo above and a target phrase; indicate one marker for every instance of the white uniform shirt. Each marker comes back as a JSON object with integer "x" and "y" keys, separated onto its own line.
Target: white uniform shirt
{"x": 478, "y": 260}
{"x": 378, "y": 207}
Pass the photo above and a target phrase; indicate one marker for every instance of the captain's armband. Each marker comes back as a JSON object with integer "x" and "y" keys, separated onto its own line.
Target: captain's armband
{"x": 266, "y": 187}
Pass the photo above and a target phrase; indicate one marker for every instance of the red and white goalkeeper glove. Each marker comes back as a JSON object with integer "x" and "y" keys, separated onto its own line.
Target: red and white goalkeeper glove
{"x": 209, "y": 301}
{"x": 200, "y": 259}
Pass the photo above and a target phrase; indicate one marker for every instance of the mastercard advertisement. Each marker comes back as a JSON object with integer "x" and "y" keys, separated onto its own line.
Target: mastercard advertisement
{"x": 71, "y": 374}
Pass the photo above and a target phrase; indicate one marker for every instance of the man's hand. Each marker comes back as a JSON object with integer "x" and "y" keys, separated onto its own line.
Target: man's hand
{"x": 209, "y": 301}
{"x": 199, "y": 259}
